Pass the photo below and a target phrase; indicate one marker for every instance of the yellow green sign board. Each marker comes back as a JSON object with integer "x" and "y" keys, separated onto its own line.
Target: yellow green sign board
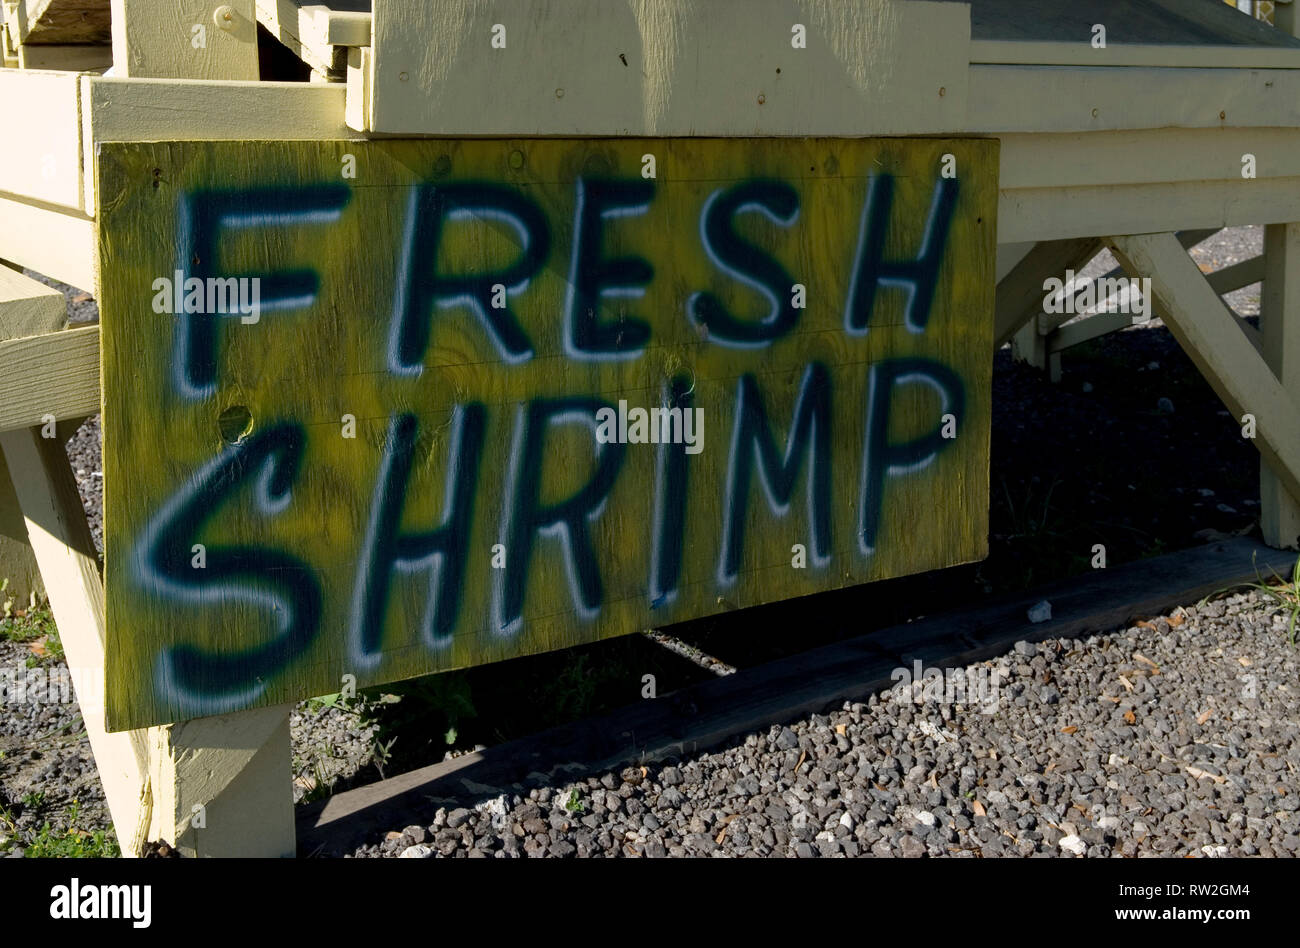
{"x": 383, "y": 409}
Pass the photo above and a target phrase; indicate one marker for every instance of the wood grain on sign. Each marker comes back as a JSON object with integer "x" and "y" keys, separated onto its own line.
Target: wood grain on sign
{"x": 475, "y": 306}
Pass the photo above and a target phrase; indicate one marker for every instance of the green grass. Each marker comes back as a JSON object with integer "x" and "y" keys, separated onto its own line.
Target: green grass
{"x": 49, "y": 842}
{"x": 1282, "y": 595}
{"x": 33, "y": 626}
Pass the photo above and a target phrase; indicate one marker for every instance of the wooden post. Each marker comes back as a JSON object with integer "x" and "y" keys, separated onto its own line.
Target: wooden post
{"x": 222, "y": 786}
{"x": 1030, "y": 346}
{"x": 1279, "y": 323}
{"x": 215, "y": 786}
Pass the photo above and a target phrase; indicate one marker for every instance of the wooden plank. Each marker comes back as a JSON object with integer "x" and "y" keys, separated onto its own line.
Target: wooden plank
{"x": 1090, "y": 99}
{"x": 184, "y": 39}
{"x": 1149, "y": 156}
{"x": 342, "y": 22}
{"x": 42, "y": 158}
{"x": 56, "y": 242}
{"x": 1207, "y": 331}
{"x": 67, "y": 58}
{"x": 697, "y": 67}
{"x": 1098, "y": 324}
{"x": 66, "y": 22}
{"x": 1064, "y": 337}
{"x": 54, "y": 374}
{"x": 707, "y": 715}
{"x": 1237, "y": 275}
{"x": 1021, "y": 53}
{"x": 126, "y": 110}
{"x": 1059, "y": 213}
{"x": 1097, "y": 602}
{"x": 360, "y": 70}
{"x": 512, "y": 400}
{"x": 1279, "y": 324}
{"x": 29, "y": 307}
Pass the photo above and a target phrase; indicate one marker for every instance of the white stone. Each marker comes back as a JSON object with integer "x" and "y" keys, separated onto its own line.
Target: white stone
{"x": 496, "y": 809}
{"x": 1073, "y": 844}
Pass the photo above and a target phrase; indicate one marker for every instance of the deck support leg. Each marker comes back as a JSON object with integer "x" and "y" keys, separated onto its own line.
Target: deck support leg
{"x": 222, "y": 786}
{"x": 234, "y": 768}
{"x": 1029, "y": 345}
{"x": 1279, "y": 323}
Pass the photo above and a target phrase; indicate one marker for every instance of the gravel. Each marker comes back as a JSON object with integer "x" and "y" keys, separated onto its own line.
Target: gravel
{"x": 1174, "y": 737}
{"x": 44, "y": 754}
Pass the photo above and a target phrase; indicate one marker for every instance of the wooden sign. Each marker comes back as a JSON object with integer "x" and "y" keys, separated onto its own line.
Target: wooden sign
{"x": 383, "y": 409}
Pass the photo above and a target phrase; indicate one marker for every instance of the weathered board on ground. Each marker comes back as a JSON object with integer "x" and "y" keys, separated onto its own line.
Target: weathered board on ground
{"x": 419, "y": 445}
